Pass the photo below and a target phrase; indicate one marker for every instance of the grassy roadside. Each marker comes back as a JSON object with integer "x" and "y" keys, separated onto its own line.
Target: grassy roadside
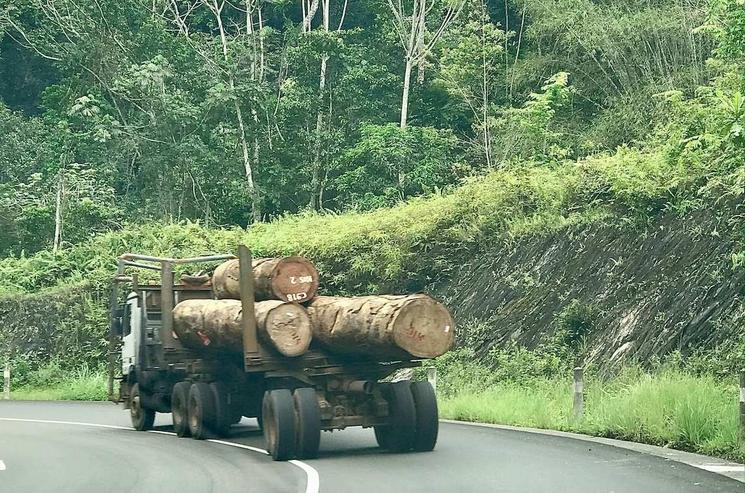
{"x": 670, "y": 408}
{"x": 83, "y": 384}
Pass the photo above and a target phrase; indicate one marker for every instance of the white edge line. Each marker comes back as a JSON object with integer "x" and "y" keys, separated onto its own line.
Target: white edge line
{"x": 313, "y": 484}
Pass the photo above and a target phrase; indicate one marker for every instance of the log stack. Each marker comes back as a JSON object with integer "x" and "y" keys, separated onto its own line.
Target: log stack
{"x": 384, "y": 327}
{"x": 216, "y": 324}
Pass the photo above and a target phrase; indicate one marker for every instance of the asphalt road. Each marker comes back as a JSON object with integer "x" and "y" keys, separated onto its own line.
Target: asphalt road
{"x": 44, "y": 457}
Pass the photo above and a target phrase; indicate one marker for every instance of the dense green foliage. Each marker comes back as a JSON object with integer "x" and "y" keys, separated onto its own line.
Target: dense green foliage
{"x": 233, "y": 113}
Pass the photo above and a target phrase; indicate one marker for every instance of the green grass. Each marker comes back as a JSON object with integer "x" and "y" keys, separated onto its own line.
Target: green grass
{"x": 83, "y": 384}
{"x": 670, "y": 408}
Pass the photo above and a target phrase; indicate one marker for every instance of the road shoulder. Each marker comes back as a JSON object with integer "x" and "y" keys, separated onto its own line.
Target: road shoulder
{"x": 712, "y": 464}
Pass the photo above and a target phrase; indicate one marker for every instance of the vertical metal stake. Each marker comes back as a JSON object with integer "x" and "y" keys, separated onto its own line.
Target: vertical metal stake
{"x": 432, "y": 377}
{"x": 6, "y": 382}
{"x": 579, "y": 397}
{"x": 248, "y": 315}
{"x": 741, "y": 421}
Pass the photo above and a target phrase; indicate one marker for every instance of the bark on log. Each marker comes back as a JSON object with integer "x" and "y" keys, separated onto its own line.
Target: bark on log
{"x": 392, "y": 327}
{"x": 286, "y": 279}
{"x": 216, "y": 324}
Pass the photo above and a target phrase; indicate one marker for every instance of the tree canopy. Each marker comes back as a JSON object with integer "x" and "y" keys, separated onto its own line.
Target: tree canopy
{"x": 237, "y": 112}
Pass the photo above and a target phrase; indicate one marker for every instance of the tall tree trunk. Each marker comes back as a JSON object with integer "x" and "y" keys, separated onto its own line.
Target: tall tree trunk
{"x": 485, "y": 93}
{"x": 58, "y": 213}
{"x": 250, "y": 180}
{"x": 315, "y": 194}
{"x": 405, "y": 96}
{"x": 420, "y": 44}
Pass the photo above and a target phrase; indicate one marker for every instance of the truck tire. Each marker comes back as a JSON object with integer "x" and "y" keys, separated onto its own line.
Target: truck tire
{"x": 179, "y": 408}
{"x": 278, "y": 414}
{"x": 398, "y": 434}
{"x": 201, "y": 410}
{"x": 308, "y": 423}
{"x": 427, "y": 422}
{"x": 141, "y": 416}
{"x": 223, "y": 417}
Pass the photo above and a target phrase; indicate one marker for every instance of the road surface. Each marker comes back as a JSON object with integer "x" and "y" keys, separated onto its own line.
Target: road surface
{"x": 88, "y": 447}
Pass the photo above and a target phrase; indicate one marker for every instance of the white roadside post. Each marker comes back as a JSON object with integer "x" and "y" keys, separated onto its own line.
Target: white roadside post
{"x": 6, "y": 382}
{"x": 432, "y": 377}
{"x": 741, "y": 421}
{"x": 579, "y": 397}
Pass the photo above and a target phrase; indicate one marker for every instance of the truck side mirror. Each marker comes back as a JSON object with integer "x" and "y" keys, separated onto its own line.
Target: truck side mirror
{"x": 116, "y": 323}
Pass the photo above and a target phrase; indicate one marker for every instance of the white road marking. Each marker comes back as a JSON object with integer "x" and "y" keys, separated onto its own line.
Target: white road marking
{"x": 313, "y": 483}
{"x": 73, "y": 423}
{"x": 721, "y": 468}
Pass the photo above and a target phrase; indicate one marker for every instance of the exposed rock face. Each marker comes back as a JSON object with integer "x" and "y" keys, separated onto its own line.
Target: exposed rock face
{"x": 652, "y": 289}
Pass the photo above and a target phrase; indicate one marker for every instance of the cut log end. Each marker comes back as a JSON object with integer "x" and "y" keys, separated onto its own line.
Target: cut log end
{"x": 424, "y": 328}
{"x": 288, "y": 328}
{"x": 294, "y": 279}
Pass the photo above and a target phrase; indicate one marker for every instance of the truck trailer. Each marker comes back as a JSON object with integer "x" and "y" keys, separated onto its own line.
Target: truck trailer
{"x": 208, "y": 391}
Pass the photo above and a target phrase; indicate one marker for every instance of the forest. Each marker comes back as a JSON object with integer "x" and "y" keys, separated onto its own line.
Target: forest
{"x": 231, "y": 113}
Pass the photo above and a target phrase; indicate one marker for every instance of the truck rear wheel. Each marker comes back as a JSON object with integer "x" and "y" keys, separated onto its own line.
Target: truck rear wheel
{"x": 201, "y": 410}
{"x": 308, "y": 423}
{"x": 142, "y": 417}
{"x": 398, "y": 435}
{"x": 427, "y": 423}
{"x": 179, "y": 408}
{"x": 223, "y": 417}
{"x": 278, "y": 414}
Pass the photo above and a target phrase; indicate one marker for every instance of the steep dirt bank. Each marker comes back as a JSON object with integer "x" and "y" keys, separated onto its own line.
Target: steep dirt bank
{"x": 637, "y": 290}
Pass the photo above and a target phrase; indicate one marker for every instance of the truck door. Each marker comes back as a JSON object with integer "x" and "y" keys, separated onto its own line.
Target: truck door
{"x": 131, "y": 321}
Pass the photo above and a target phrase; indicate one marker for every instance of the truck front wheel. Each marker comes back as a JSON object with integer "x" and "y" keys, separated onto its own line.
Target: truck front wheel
{"x": 202, "y": 414}
{"x": 142, "y": 417}
{"x": 278, "y": 414}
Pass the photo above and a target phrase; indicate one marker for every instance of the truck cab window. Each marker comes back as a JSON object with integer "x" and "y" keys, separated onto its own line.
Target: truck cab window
{"x": 126, "y": 324}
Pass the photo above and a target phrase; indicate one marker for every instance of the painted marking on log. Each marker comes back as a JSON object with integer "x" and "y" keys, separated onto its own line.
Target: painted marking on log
{"x": 415, "y": 334}
{"x": 313, "y": 483}
{"x": 296, "y": 296}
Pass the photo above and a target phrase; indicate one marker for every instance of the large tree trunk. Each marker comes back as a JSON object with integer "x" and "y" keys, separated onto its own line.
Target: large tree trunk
{"x": 216, "y": 324}
{"x": 58, "y": 213}
{"x": 286, "y": 279}
{"x": 405, "y": 95}
{"x": 315, "y": 192}
{"x": 382, "y": 327}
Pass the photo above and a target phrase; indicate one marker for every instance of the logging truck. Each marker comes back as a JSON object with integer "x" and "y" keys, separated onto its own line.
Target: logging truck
{"x": 212, "y": 349}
